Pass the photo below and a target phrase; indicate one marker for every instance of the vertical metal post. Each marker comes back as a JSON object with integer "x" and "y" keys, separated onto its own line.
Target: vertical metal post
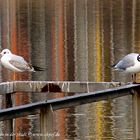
{"x": 136, "y": 112}
{"x": 9, "y": 123}
{"x": 46, "y": 123}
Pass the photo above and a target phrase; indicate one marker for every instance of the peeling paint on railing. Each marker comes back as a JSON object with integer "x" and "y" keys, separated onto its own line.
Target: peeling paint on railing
{"x": 55, "y": 86}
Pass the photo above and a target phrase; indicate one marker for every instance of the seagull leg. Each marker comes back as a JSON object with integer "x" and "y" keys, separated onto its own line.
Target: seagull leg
{"x": 134, "y": 78}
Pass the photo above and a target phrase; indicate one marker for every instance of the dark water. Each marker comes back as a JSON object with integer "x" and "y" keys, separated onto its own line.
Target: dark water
{"x": 73, "y": 40}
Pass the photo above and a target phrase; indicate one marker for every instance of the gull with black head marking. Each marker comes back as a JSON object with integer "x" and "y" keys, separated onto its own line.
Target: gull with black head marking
{"x": 16, "y": 63}
{"x": 129, "y": 64}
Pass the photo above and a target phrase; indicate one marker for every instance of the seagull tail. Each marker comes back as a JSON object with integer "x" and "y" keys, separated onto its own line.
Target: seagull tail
{"x": 115, "y": 67}
{"x": 35, "y": 68}
{"x": 112, "y": 67}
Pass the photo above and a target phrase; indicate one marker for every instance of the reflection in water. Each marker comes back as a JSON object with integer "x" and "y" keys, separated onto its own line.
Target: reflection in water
{"x": 73, "y": 40}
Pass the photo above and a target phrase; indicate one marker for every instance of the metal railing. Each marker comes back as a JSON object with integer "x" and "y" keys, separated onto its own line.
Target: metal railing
{"x": 89, "y": 92}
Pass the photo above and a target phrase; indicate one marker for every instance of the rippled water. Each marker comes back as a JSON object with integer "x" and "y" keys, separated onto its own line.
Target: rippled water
{"x": 73, "y": 40}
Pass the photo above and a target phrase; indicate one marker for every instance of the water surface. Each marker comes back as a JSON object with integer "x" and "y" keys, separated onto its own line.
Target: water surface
{"x": 72, "y": 40}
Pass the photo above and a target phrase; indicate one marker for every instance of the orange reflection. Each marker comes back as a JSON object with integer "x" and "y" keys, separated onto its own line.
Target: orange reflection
{"x": 60, "y": 117}
{"x": 19, "y": 45}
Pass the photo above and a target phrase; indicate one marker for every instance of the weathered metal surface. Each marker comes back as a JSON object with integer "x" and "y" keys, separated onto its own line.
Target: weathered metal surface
{"x": 6, "y": 87}
{"x": 136, "y": 114}
{"x": 19, "y": 111}
{"x": 55, "y": 86}
{"x": 68, "y": 101}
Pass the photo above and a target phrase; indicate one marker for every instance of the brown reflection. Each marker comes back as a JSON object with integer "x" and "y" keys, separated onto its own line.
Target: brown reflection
{"x": 49, "y": 38}
{"x": 14, "y": 36}
{"x": 80, "y": 45}
{"x": 72, "y": 40}
{"x": 69, "y": 42}
{"x": 5, "y": 33}
{"x": 120, "y": 35}
{"x": 71, "y": 122}
{"x": 53, "y": 50}
{"x": 59, "y": 62}
{"x": 37, "y": 32}
{"x": 91, "y": 40}
{"x": 107, "y": 43}
{"x": 22, "y": 48}
{"x": 98, "y": 43}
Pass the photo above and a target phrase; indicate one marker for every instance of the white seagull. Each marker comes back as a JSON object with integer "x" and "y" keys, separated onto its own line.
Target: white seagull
{"x": 16, "y": 63}
{"x": 129, "y": 64}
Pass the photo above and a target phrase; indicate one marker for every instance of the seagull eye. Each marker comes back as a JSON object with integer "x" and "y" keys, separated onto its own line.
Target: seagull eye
{"x": 138, "y": 58}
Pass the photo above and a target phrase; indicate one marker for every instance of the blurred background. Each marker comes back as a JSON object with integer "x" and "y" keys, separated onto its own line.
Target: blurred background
{"x": 73, "y": 40}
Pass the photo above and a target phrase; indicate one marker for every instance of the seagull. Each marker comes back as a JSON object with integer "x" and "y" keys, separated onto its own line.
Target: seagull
{"x": 16, "y": 63}
{"x": 129, "y": 64}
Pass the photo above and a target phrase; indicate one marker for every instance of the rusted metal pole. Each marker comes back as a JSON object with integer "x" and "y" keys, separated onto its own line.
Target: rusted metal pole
{"x": 46, "y": 123}
{"x": 136, "y": 114}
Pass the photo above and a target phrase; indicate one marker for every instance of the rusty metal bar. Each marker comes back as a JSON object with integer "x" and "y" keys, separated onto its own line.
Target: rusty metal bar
{"x": 68, "y": 101}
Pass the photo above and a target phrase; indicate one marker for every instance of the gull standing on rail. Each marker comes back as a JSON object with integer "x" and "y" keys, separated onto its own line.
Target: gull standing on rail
{"x": 129, "y": 64}
{"x": 16, "y": 63}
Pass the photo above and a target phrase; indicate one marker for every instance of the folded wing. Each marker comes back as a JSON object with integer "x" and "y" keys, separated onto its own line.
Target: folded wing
{"x": 20, "y": 63}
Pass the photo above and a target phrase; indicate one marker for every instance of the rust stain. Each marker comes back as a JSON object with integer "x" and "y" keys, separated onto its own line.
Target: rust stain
{"x": 61, "y": 42}
{"x": 19, "y": 45}
{"x": 51, "y": 88}
{"x": 60, "y": 119}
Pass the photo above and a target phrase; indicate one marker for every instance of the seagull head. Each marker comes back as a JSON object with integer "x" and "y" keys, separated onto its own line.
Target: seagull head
{"x": 5, "y": 51}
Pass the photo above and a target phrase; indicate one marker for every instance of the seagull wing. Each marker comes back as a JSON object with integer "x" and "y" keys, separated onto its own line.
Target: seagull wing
{"x": 126, "y": 62}
{"x": 20, "y": 63}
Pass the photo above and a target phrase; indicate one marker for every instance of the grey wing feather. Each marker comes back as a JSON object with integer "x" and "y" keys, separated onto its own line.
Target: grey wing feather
{"x": 126, "y": 62}
{"x": 19, "y": 63}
